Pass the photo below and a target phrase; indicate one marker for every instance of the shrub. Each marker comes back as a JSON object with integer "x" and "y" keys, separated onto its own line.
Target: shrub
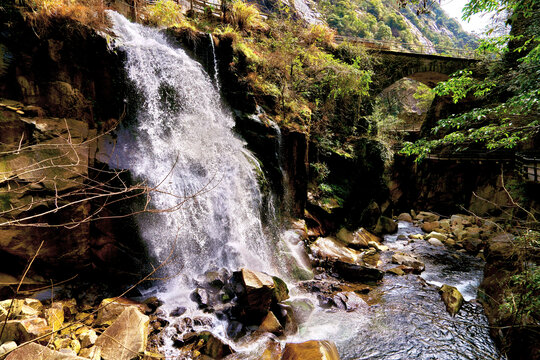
{"x": 244, "y": 16}
{"x": 165, "y": 13}
{"x": 87, "y": 12}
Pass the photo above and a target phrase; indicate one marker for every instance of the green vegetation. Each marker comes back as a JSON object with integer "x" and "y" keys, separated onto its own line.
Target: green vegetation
{"x": 510, "y": 92}
{"x": 376, "y": 19}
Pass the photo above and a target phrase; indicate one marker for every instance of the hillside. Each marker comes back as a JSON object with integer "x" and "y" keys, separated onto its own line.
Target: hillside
{"x": 383, "y": 20}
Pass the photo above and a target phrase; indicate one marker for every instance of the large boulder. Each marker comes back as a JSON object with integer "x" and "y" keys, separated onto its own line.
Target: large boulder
{"x": 356, "y": 239}
{"x": 126, "y": 338}
{"x": 359, "y": 272}
{"x": 311, "y": 350}
{"x": 110, "y": 309}
{"x": 25, "y": 330}
{"x": 329, "y": 248}
{"x": 385, "y": 225}
{"x": 257, "y": 292}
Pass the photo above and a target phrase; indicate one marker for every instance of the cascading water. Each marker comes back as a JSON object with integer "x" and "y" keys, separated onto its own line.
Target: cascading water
{"x": 214, "y": 58}
{"x": 183, "y": 145}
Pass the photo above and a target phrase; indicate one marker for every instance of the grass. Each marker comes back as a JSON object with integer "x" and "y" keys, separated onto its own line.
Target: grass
{"x": 88, "y": 12}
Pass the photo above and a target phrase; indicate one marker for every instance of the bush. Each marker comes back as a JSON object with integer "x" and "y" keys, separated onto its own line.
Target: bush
{"x": 244, "y": 16}
{"x": 87, "y": 12}
{"x": 165, "y": 13}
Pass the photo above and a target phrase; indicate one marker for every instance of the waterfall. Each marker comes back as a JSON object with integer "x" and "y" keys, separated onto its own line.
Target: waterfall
{"x": 183, "y": 143}
{"x": 214, "y": 58}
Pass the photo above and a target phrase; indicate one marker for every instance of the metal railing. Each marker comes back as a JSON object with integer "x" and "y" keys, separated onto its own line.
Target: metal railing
{"x": 529, "y": 166}
{"x": 411, "y": 48}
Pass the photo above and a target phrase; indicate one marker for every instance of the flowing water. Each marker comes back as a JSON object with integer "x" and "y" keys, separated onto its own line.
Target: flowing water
{"x": 182, "y": 144}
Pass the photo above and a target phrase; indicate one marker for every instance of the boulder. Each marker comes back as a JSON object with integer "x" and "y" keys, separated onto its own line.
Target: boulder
{"x": 37, "y": 352}
{"x": 55, "y": 315}
{"x": 452, "y": 299}
{"x": 436, "y": 235}
{"x": 357, "y": 239}
{"x": 271, "y": 324}
{"x": 311, "y": 350}
{"x": 281, "y": 291}
{"x": 427, "y": 216}
{"x": 385, "y": 225}
{"x": 472, "y": 245}
{"x": 500, "y": 247}
{"x": 408, "y": 260}
{"x": 208, "y": 344}
{"x": 430, "y": 226}
{"x": 92, "y": 353}
{"x": 7, "y": 347}
{"x": 435, "y": 242}
{"x": 445, "y": 225}
{"x": 357, "y": 272}
{"x": 126, "y": 337}
{"x": 88, "y": 338}
{"x": 456, "y": 220}
{"x": 110, "y": 309}
{"x": 258, "y": 291}
{"x": 349, "y": 301}
{"x": 329, "y": 248}
{"x": 405, "y": 217}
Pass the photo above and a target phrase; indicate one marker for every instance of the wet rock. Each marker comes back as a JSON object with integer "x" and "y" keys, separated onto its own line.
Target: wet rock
{"x": 358, "y": 239}
{"x": 357, "y": 272}
{"x": 153, "y": 303}
{"x": 281, "y": 292}
{"x": 401, "y": 270}
{"x": 378, "y": 246}
{"x": 452, "y": 299}
{"x": 416, "y": 236}
{"x": 408, "y": 260}
{"x": 312, "y": 350}
{"x": 427, "y": 216}
{"x": 272, "y": 351}
{"x": 405, "y": 217}
{"x": 258, "y": 290}
{"x": 435, "y": 242}
{"x": 37, "y": 352}
{"x": 200, "y": 296}
{"x": 179, "y": 311}
{"x": 207, "y": 344}
{"x": 110, "y": 309}
{"x": 302, "y": 309}
{"x": 349, "y": 301}
{"x": 271, "y": 324}
{"x": 126, "y": 337}
{"x": 385, "y": 225}
{"x": 430, "y": 226}
{"x": 329, "y": 248}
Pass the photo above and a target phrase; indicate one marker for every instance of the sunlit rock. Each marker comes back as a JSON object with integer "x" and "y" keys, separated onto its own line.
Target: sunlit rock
{"x": 452, "y": 299}
{"x": 312, "y": 350}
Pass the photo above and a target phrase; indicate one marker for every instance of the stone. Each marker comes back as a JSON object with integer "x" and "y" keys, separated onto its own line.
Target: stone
{"x": 88, "y": 338}
{"x": 500, "y": 247}
{"x": 378, "y": 246}
{"x": 25, "y": 330}
{"x": 92, "y": 353}
{"x": 452, "y": 298}
{"x": 416, "y": 236}
{"x": 408, "y": 260}
{"x": 311, "y": 350}
{"x": 358, "y": 239}
{"x": 329, "y": 248}
{"x": 427, "y": 216}
{"x": 405, "y": 217}
{"x": 445, "y": 225}
{"x": 271, "y": 324}
{"x": 435, "y": 242}
{"x": 385, "y": 225}
{"x": 472, "y": 245}
{"x": 126, "y": 337}
{"x": 281, "y": 291}
{"x": 257, "y": 294}
{"x": 13, "y": 307}
{"x": 430, "y": 226}
{"x": 349, "y": 301}
{"x": 55, "y": 315}
{"x": 436, "y": 235}
{"x": 38, "y": 352}
{"x": 110, "y": 309}
{"x": 208, "y": 344}
{"x": 7, "y": 347}
{"x": 272, "y": 351}
{"x": 357, "y": 272}
{"x": 396, "y": 271}
{"x": 456, "y": 220}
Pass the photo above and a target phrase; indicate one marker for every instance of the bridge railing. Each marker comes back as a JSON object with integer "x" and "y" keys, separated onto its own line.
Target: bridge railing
{"x": 413, "y": 48}
{"x": 529, "y": 166}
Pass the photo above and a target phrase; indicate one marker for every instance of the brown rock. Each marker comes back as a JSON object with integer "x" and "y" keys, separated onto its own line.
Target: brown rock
{"x": 405, "y": 217}
{"x": 126, "y": 337}
{"x": 25, "y": 330}
{"x": 408, "y": 260}
{"x": 271, "y": 324}
{"x": 311, "y": 350}
{"x": 427, "y": 216}
{"x": 37, "y": 352}
{"x": 55, "y": 315}
{"x": 110, "y": 309}
{"x": 452, "y": 299}
{"x": 430, "y": 226}
{"x": 329, "y": 248}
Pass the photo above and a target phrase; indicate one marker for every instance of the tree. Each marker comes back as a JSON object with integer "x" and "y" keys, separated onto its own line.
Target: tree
{"x": 511, "y": 89}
